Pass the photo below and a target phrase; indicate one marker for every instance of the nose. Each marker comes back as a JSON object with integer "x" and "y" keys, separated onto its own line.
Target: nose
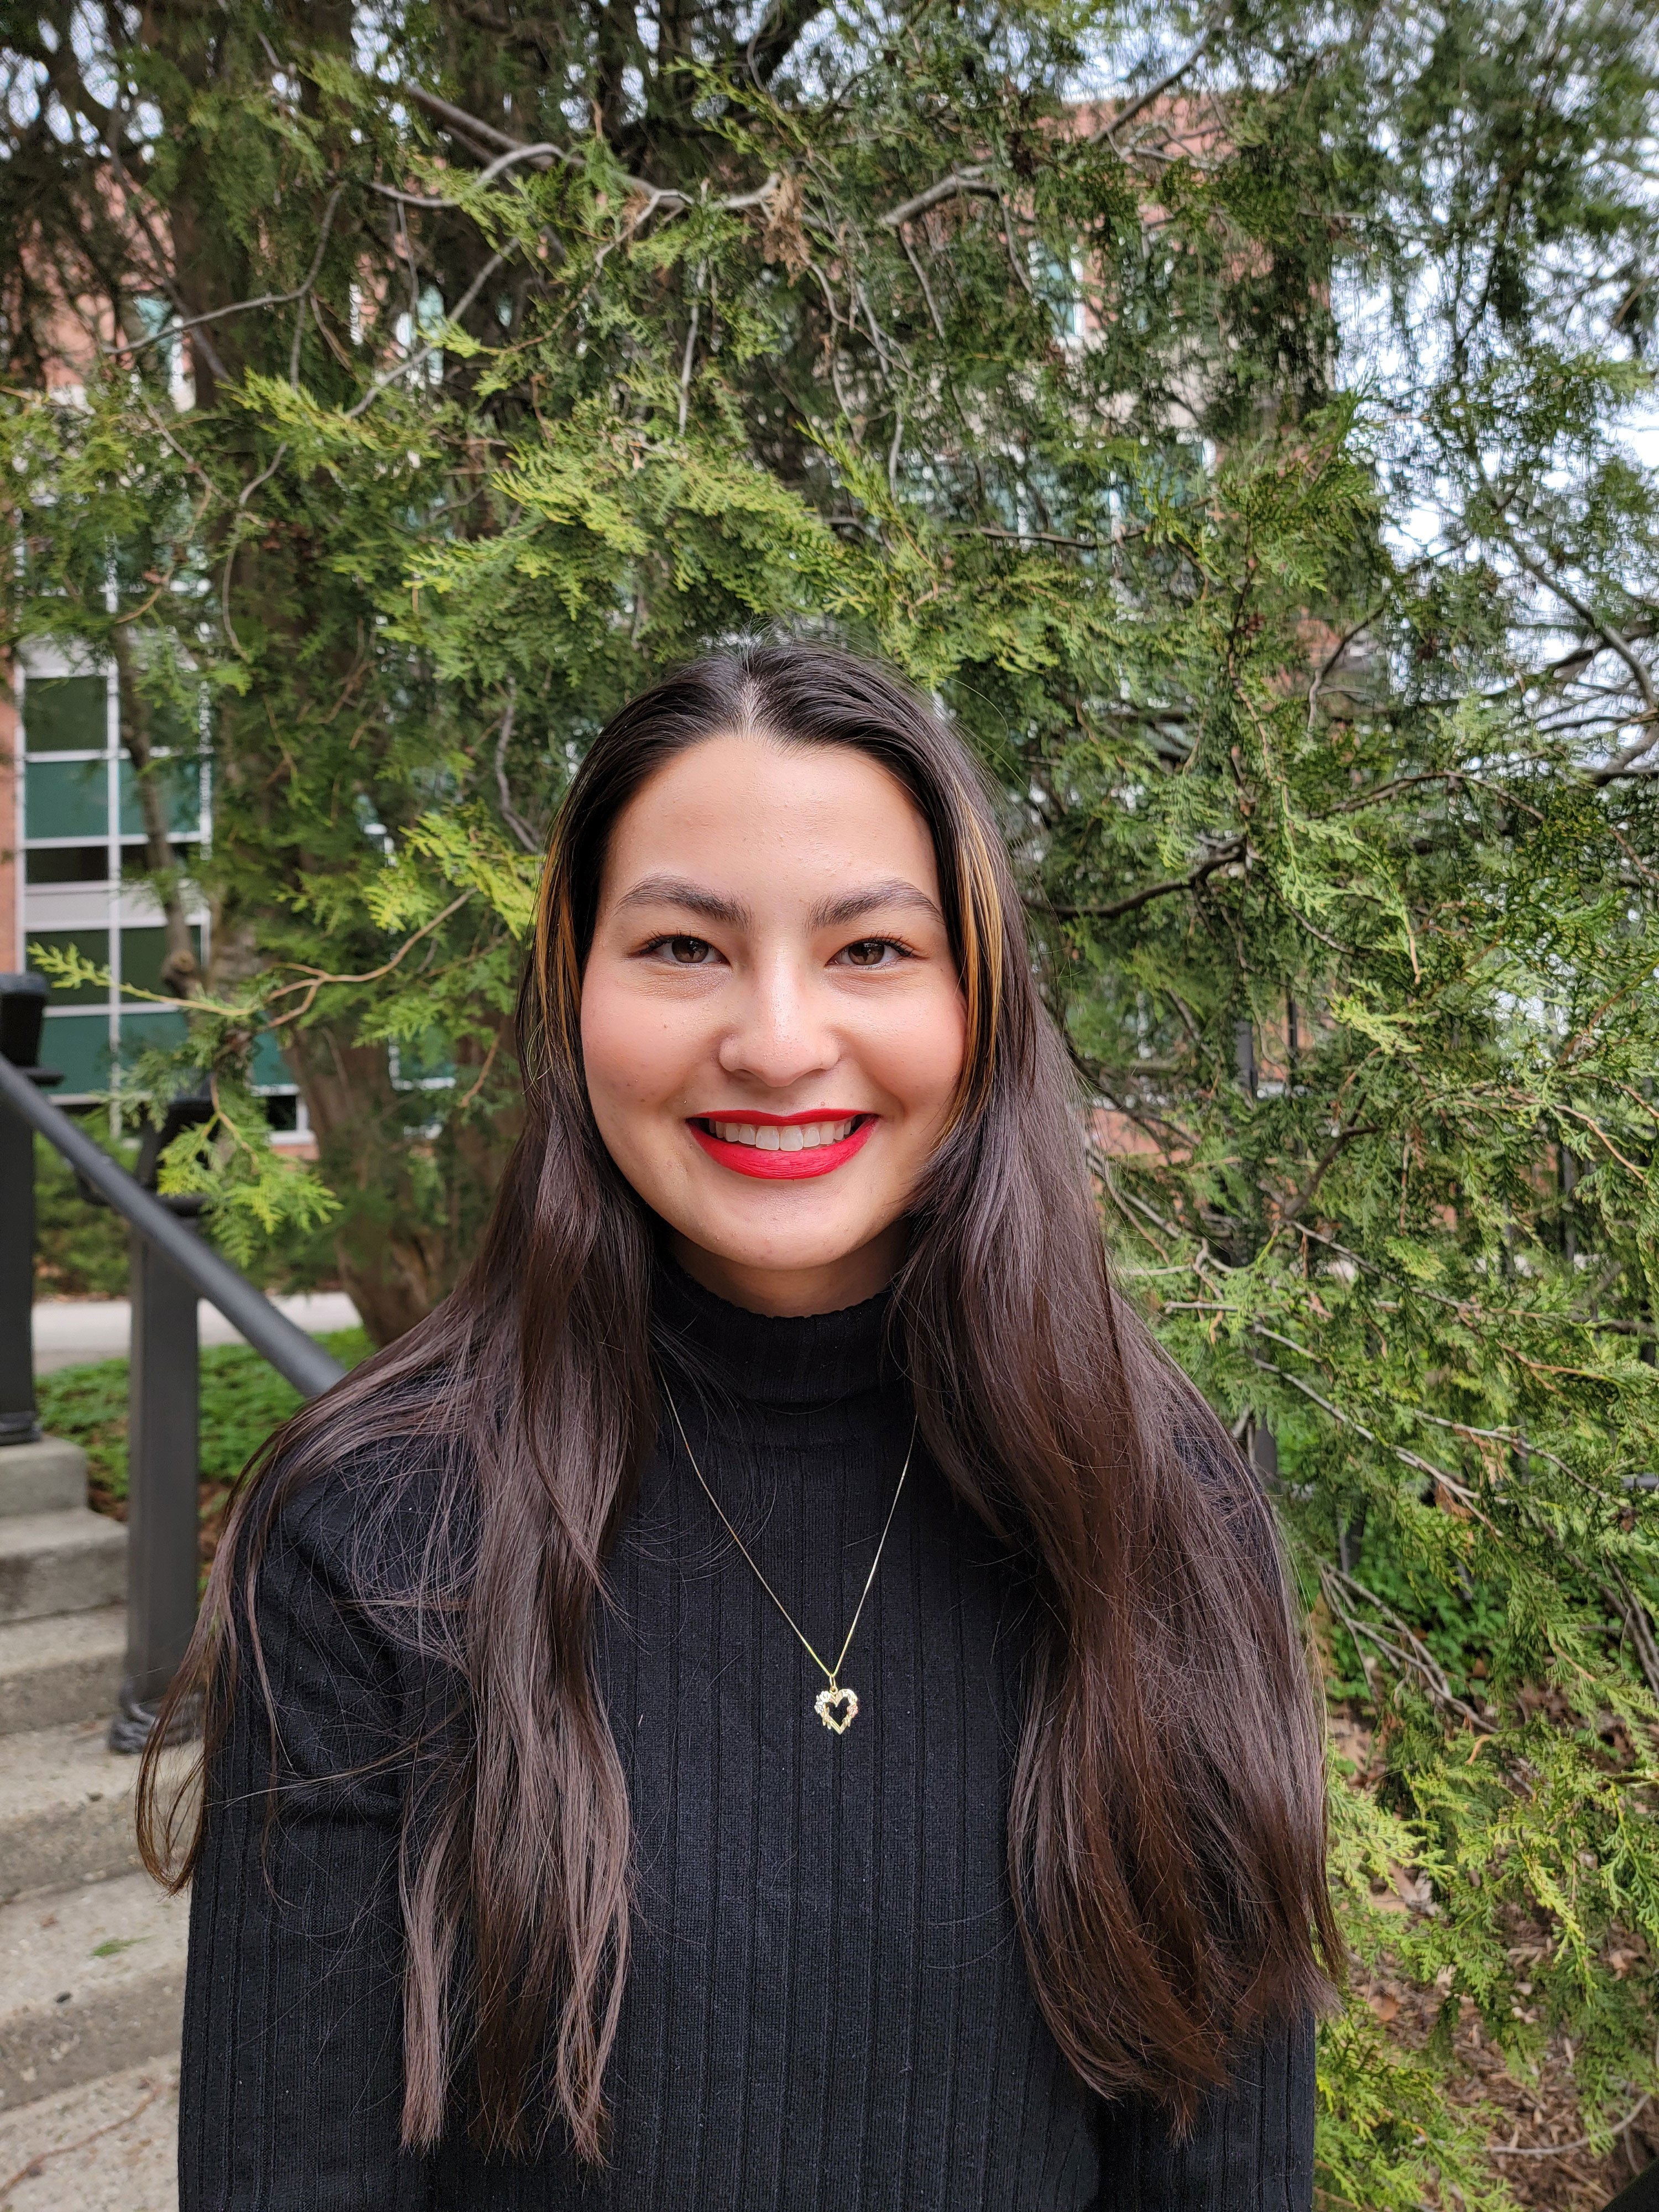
{"x": 781, "y": 1033}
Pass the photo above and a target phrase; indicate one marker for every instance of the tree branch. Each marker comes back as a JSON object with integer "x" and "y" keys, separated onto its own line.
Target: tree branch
{"x": 1223, "y": 857}
{"x": 1143, "y": 101}
{"x": 510, "y": 814}
{"x": 921, "y": 276}
{"x": 1056, "y": 538}
{"x": 1412, "y": 1655}
{"x": 973, "y": 181}
{"x": 1377, "y": 792}
{"x": 1649, "y": 736}
{"x": 314, "y": 980}
{"x": 779, "y": 31}
{"x": 457, "y": 119}
{"x": 1326, "y": 1161}
{"x": 424, "y": 353}
{"x": 1638, "y": 1625}
{"x": 240, "y": 306}
{"x": 653, "y": 198}
{"x": 541, "y": 157}
{"x": 1603, "y": 629}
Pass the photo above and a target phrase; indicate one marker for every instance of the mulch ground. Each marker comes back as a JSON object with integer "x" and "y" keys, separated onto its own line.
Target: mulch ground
{"x": 1537, "y": 2115}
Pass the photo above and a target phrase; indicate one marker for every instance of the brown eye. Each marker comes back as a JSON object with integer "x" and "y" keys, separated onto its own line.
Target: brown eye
{"x": 868, "y": 952}
{"x": 687, "y": 952}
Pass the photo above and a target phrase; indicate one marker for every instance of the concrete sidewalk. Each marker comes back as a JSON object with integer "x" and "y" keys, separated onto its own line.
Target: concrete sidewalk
{"x": 67, "y": 1331}
{"x": 109, "y": 2146}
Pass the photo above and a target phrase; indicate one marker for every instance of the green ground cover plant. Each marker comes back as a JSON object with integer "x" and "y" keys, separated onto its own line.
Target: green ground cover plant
{"x": 80, "y": 1250}
{"x": 1236, "y": 419}
{"x": 243, "y": 1400}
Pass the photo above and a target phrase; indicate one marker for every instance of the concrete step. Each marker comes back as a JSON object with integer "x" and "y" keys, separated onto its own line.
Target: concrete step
{"x": 65, "y": 1562}
{"x": 92, "y": 1981}
{"x": 110, "y": 2145}
{"x": 45, "y": 1477}
{"x": 66, "y": 1808}
{"x": 65, "y": 1668}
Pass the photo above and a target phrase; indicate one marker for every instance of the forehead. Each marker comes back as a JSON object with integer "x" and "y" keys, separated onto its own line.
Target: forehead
{"x": 762, "y": 814}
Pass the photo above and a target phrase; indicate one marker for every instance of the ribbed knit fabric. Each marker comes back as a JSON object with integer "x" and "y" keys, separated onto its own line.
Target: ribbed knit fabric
{"x": 828, "y": 2009}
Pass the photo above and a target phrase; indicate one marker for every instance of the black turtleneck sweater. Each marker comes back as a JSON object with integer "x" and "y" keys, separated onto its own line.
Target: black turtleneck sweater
{"x": 827, "y": 2006}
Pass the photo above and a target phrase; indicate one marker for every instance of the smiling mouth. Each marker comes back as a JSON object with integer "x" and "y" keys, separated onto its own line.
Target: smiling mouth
{"x": 782, "y": 1136}
{"x": 780, "y": 1150}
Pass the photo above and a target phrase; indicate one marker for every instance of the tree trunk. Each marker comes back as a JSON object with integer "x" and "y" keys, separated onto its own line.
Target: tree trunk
{"x": 180, "y": 970}
{"x": 395, "y": 1270}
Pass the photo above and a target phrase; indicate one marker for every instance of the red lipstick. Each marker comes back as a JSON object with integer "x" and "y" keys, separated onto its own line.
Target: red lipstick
{"x": 779, "y": 1166}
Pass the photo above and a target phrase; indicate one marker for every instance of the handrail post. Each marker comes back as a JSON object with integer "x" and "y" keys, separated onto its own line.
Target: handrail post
{"x": 163, "y": 1472}
{"x": 18, "y": 1425}
{"x": 171, "y": 1268}
{"x": 22, "y": 1005}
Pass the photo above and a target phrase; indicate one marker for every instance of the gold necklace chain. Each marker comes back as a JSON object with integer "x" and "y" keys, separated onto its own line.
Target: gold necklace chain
{"x": 837, "y": 1706}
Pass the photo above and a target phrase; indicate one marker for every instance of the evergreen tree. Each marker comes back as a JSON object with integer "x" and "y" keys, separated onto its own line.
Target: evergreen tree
{"x": 1229, "y": 417}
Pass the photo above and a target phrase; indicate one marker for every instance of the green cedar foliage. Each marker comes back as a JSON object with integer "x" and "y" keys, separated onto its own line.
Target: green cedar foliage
{"x": 1248, "y": 469}
{"x": 82, "y": 1249}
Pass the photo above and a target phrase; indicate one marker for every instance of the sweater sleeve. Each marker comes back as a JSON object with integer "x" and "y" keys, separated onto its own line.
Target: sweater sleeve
{"x": 291, "y": 2082}
{"x": 1250, "y": 2148}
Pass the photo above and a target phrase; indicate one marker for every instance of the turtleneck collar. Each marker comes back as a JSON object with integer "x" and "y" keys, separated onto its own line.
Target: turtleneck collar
{"x": 798, "y": 1360}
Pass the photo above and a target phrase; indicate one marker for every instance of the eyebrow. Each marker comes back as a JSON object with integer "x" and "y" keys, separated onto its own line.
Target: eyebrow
{"x": 677, "y": 890}
{"x": 894, "y": 893}
{"x": 829, "y": 914}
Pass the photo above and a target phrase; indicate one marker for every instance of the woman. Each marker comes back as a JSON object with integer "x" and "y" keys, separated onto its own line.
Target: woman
{"x": 775, "y": 1696}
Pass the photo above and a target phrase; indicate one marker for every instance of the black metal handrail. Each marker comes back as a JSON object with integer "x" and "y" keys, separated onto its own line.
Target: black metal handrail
{"x": 298, "y": 1358}
{"x": 171, "y": 1268}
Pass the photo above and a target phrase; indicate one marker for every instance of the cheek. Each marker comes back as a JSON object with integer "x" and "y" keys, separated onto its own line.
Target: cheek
{"x": 632, "y": 1053}
{"x": 917, "y": 1054}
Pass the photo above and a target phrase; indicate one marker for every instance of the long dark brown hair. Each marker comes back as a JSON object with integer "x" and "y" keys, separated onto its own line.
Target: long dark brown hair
{"x": 1166, "y": 1829}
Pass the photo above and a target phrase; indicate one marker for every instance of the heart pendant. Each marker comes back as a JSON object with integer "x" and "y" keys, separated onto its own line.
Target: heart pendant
{"x": 826, "y": 1702}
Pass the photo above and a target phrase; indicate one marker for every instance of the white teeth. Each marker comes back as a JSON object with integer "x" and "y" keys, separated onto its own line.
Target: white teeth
{"x": 768, "y": 1137}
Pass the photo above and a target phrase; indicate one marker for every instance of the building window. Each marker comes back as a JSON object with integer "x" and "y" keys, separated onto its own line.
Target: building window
{"x": 83, "y": 837}
{"x": 82, "y": 887}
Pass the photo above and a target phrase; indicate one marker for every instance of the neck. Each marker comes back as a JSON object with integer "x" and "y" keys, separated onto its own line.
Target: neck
{"x": 780, "y": 1291}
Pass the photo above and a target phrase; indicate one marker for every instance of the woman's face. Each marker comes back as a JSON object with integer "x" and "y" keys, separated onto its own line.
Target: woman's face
{"x": 772, "y": 1025}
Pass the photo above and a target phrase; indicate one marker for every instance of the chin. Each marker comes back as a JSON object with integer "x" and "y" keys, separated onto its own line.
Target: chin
{"x": 787, "y": 1253}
